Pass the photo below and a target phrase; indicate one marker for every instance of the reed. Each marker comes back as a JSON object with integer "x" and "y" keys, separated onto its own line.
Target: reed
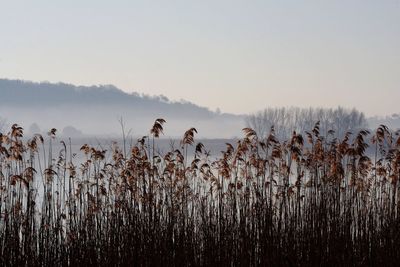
{"x": 310, "y": 200}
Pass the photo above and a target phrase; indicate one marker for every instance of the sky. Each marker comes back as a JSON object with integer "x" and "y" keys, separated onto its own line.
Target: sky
{"x": 239, "y": 56}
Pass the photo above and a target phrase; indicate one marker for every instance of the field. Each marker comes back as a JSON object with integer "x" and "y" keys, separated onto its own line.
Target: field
{"x": 310, "y": 200}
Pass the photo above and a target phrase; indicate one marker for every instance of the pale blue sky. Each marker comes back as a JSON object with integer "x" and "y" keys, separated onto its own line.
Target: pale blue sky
{"x": 240, "y": 56}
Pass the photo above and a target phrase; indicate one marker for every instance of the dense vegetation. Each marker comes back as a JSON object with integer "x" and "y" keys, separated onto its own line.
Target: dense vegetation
{"x": 306, "y": 201}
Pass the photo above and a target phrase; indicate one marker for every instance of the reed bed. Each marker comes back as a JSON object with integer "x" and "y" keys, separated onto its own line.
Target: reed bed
{"x": 307, "y": 201}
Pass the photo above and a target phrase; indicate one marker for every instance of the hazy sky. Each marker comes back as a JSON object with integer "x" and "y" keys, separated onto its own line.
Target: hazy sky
{"x": 240, "y": 56}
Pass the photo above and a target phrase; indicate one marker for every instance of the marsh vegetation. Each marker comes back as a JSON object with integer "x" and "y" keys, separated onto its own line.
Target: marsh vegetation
{"x": 310, "y": 200}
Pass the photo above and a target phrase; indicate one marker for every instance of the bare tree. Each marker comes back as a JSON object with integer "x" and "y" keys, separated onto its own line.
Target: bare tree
{"x": 287, "y": 120}
{"x": 3, "y": 124}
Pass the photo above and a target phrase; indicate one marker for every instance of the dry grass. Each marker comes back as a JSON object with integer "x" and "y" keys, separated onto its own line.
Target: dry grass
{"x": 313, "y": 201}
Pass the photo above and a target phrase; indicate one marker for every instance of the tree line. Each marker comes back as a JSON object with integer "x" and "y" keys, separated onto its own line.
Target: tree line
{"x": 286, "y": 120}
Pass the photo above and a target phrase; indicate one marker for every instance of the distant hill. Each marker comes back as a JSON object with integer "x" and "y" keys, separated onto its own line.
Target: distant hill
{"x": 96, "y": 110}
{"x": 29, "y": 94}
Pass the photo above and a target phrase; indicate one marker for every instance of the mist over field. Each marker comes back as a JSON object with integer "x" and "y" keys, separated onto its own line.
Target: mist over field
{"x": 97, "y": 111}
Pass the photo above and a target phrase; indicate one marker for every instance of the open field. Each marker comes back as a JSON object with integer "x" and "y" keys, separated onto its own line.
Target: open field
{"x": 310, "y": 200}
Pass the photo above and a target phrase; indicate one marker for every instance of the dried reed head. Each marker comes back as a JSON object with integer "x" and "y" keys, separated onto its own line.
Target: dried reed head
{"x": 188, "y": 137}
{"x": 157, "y": 127}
